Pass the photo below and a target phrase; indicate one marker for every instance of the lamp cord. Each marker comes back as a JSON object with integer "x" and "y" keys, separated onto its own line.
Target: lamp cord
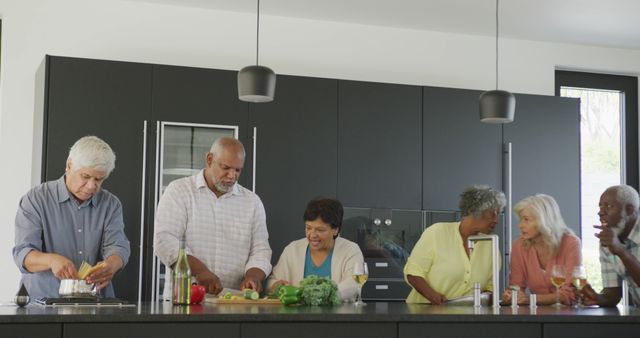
{"x": 257, "y": 32}
{"x": 496, "y": 43}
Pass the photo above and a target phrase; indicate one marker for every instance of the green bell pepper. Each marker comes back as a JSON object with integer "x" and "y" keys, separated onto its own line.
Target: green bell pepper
{"x": 289, "y": 294}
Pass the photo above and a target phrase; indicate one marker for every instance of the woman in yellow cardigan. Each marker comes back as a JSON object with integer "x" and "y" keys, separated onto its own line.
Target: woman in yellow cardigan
{"x": 440, "y": 266}
{"x": 322, "y": 252}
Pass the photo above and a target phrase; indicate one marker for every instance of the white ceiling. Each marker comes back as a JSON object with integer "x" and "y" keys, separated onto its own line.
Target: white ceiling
{"x": 611, "y": 23}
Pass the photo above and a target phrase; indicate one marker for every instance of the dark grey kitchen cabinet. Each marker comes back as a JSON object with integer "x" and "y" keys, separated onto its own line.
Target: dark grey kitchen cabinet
{"x": 545, "y": 155}
{"x": 296, "y": 148}
{"x": 458, "y": 150}
{"x": 199, "y": 95}
{"x": 480, "y": 330}
{"x": 110, "y": 100}
{"x": 379, "y": 145}
{"x": 31, "y": 330}
{"x": 590, "y": 330}
{"x": 150, "y": 330}
{"x": 313, "y": 330}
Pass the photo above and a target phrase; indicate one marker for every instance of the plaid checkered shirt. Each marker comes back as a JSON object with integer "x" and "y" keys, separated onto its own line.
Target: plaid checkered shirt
{"x": 613, "y": 271}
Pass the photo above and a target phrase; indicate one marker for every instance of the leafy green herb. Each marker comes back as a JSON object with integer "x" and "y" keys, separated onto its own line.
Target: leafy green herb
{"x": 318, "y": 291}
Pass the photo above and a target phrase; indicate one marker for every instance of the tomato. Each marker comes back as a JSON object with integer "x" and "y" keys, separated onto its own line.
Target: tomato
{"x": 197, "y": 293}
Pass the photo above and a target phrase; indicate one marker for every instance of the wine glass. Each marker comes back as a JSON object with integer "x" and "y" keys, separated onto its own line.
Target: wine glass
{"x": 360, "y": 275}
{"x": 579, "y": 279}
{"x": 558, "y": 280}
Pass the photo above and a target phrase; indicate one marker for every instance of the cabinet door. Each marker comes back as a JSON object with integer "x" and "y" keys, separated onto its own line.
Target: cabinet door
{"x": 379, "y": 145}
{"x": 318, "y": 330}
{"x": 296, "y": 150}
{"x": 151, "y": 330}
{"x": 110, "y": 100}
{"x": 545, "y": 137}
{"x": 590, "y": 330}
{"x": 458, "y": 149}
{"x": 478, "y": 330}
{"x": 31, "y": 330}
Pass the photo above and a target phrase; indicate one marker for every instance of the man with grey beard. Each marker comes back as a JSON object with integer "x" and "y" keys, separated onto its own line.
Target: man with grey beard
{"x": 224, "y": 224}
{"x": 619, "y": 237}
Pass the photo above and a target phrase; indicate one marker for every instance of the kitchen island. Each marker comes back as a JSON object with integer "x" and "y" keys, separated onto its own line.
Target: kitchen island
{"x": 378, "y": 319}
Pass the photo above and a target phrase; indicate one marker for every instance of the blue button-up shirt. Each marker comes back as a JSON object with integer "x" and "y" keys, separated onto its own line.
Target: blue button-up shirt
{"x": 51, "y": 220}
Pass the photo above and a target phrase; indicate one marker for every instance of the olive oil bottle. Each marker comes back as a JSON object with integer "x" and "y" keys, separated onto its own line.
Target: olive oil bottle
{"x": 182, "y": 277}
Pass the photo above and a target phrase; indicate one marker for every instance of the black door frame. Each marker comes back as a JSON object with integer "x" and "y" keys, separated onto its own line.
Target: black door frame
{"x": 629, "y": 86}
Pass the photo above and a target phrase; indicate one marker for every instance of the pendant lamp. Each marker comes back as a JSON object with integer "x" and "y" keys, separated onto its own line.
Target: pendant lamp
{"x": 497, "y": 106}
{"x": 256, "y": 83}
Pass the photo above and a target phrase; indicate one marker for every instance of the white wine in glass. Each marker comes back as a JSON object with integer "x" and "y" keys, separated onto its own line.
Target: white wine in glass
{"x": 579, "y": 280}
{"x": 360, "y": 275}
{"x": 558, "y": 279}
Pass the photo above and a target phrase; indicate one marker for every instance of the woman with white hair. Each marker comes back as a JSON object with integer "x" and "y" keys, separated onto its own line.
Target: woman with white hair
{"x": 545, "y": 241}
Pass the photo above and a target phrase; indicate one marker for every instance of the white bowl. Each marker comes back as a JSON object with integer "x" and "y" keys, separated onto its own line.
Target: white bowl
{"x": 75, "y": 288}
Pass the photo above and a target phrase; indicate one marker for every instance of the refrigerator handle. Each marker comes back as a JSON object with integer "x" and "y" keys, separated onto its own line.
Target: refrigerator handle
{"x": 142, "y": 208}
{"x": 155, "y": 269}
{"x": 508, "y": 151}
{"x": 255, "y": 156}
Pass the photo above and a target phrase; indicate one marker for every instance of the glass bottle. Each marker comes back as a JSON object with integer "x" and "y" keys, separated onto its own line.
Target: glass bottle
{"x": 182, "y": 277}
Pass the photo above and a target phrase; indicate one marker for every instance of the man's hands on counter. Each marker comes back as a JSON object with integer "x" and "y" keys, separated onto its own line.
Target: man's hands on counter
{"x": 209, "y": 280}
{"x": 589, "y": 296}
{"x": 204, "y": 276}
{"x": 253, "y": 280}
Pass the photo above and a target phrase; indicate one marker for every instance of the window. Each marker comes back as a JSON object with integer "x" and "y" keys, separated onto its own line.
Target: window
{"x": 608, "y": 146}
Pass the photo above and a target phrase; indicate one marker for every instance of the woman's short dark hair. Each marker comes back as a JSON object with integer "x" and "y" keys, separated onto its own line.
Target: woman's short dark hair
{"x": 328, "y": 210}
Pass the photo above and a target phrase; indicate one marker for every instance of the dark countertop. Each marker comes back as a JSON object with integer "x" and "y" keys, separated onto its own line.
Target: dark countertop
{"x": 378, "y": 312}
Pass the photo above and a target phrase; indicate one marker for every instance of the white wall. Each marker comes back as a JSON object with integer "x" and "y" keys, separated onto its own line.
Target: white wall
{"x": 130, "y": 31}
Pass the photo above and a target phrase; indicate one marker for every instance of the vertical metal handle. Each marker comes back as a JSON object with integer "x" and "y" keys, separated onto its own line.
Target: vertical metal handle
{"x": 155, "y": 270}
{"x": 496, "y": 270}
{"x": 142, "y": 208}
{"x": 509, "y": 187}
{"x": 255, "y": 156}
{"x": 625, "y": 294}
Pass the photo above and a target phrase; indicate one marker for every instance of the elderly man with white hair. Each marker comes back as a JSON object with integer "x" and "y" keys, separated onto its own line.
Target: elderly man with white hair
{"x": 61, "y": 223}
{"x": 619, "y": 246}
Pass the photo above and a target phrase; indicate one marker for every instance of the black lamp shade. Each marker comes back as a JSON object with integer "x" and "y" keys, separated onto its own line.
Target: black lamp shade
{"x": 497, "y": 106}
{"x": 256, "y": 84}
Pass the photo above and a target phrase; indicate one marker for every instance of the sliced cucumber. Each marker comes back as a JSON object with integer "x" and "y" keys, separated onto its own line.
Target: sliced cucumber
{"x": 251, "y": 294}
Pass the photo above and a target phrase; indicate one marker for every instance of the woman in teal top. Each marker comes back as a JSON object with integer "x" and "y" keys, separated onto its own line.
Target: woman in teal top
{"x": 322, "y": 252}
{"x": 323, "y": 270}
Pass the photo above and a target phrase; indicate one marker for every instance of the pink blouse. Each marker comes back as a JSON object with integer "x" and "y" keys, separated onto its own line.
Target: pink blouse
{"x": 527, "y": 273}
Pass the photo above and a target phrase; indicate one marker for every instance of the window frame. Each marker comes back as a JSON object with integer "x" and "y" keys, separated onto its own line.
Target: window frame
{"x": 625, "y": 84}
